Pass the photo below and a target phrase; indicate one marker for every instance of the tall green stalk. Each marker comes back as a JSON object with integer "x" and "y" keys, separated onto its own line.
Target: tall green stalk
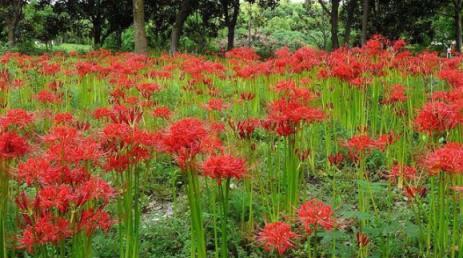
{"x": 130, "y": 213}
{"x": 198, "y": 243}
{"x": 4, "y": 197}
{"x": 291, "y": 175}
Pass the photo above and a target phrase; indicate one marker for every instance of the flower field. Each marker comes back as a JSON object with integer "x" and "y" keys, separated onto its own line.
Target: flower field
{"x": 353, "y": 153}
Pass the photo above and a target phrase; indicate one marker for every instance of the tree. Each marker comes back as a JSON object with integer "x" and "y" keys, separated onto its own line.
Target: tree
{"x": 139, "y": 26}
{"x": 333, "y": 13}
{"x": 231, "y": 9}
{"x": 186, "y": 7}
{"x": 42, "y": 21}
{"x": 365, "y": 10}
{"x": 458, "y": 7}
{"x": 105, "y": 16}
{"x": 409, "y": 19}
{"x": 351, "y": 6}
{"x": 12, "y": 11}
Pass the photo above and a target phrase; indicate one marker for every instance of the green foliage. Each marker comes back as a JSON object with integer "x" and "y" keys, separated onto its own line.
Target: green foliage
{"x": 289, "y": 24}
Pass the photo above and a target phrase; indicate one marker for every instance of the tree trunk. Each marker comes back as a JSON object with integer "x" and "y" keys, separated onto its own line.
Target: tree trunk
{"x": 12, "y": 18}
{"x": 334, "y": 23}
{"x": 180, "y": 19}
{"x": 141, "y": 44}
{"x": 349, "y": 20}
{"x": 11, "y": 35}
{"x": 365, "y": 9}
{"x": 118, "y": 35}
{"x": 96, "y": 33}
{"x": 231, "y": 23}
{"x": 458, "y": 4}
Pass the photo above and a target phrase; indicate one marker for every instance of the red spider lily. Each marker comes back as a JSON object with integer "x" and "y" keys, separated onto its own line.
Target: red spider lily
{"x": 126, "y": 115}
{"x": 247, "y": 96}
{"x": 396, "y": 95}
{"x": 245, "y": 128}
{"x": 12, "y": 146}
{"x": 360, "y": 144}
{"x": 407, "y": 172}
{"x": 46, "y": 229}
{"x": 362, "y": 239}
{"x": 148, "y": 89}
{"x": 285, "y": 116}
{"x": 63, "y": 118}
{"x": 415, "y": 191}
{"x": 315, "y": 213}
{"x": 336, "y": 159}
{"x": 16, "y": 117}
{"x": 185, "y": 139}
{"x": 243, "y": 53}
{"x": 277, "y": 236}
{"x": 398, "y": 44}
{"x": 50, "y": 69}
{"x": 453, "y": 77}
{"x": 62, "y": 189}
{"x": 102, "y": 113}
{"x": 162, "y": 112}
{"x": 94, "y": 219}
{"x": 215, "y": 105}
{"x": 224, "y": 166}
{"x": 437, "y": 117}
{"x": 47, "y": 97}
{"x": 448, "y": 158}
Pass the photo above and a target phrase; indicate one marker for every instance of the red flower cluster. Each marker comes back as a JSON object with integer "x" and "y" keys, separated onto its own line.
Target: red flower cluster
{"x": 406, "y": 172}
{"x": 62, "y": 190}
{"x": 396, "y": 95}
{"x": 245, "y": 128}
{"x": 12, "y": 146}
{"x": 15, "y": 118}
{"x": 284, "y": 116}
{"x": 224, "y": 166}
{"x": 277, "y": 236}
{"x": 315, "y": 213}
{"x": 362, "y": 143}
{"x": 448, "y": 158}
{"x": 437, "y": 117}
{"x": 185, "y": 139}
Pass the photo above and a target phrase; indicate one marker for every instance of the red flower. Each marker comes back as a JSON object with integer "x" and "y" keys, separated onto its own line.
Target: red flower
{"x": 92, "y": 220}
{"x": 362, "y": 239}
{"x": 246, "y": 128}
{"x": 185, "y": 139}
{"x": 162, "y": 112}
{"x": 448, "y": 158}
{"x": 215, "y": 105}
{"x": 285, "y": 115}
{"x": 223, "y": 167}
{"x": 363, "y": 143}
{"x": 315, "y": 213}
{"x": 46, "y": 97}
{"x": 336, "y": 159}
{"x": 437, "y": 116}
{"x": 415, "y": 191}
{"x": 16, "y": 117}
{"x": 277, "y": 236}
{"x": 396, "y": 95}
{"x": 147, "y": 89}
{"x": 407, "y": 172}
{"x": 243, "y": 53}
{"x": 62, "y": 118}
{"x": 12, "y": 146}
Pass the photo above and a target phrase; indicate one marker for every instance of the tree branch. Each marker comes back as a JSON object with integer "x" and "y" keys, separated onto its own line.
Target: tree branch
{"x": 324, "y": 7}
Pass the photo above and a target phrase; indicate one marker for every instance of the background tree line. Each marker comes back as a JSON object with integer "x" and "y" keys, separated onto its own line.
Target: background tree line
{"x": 203, "y": 25}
